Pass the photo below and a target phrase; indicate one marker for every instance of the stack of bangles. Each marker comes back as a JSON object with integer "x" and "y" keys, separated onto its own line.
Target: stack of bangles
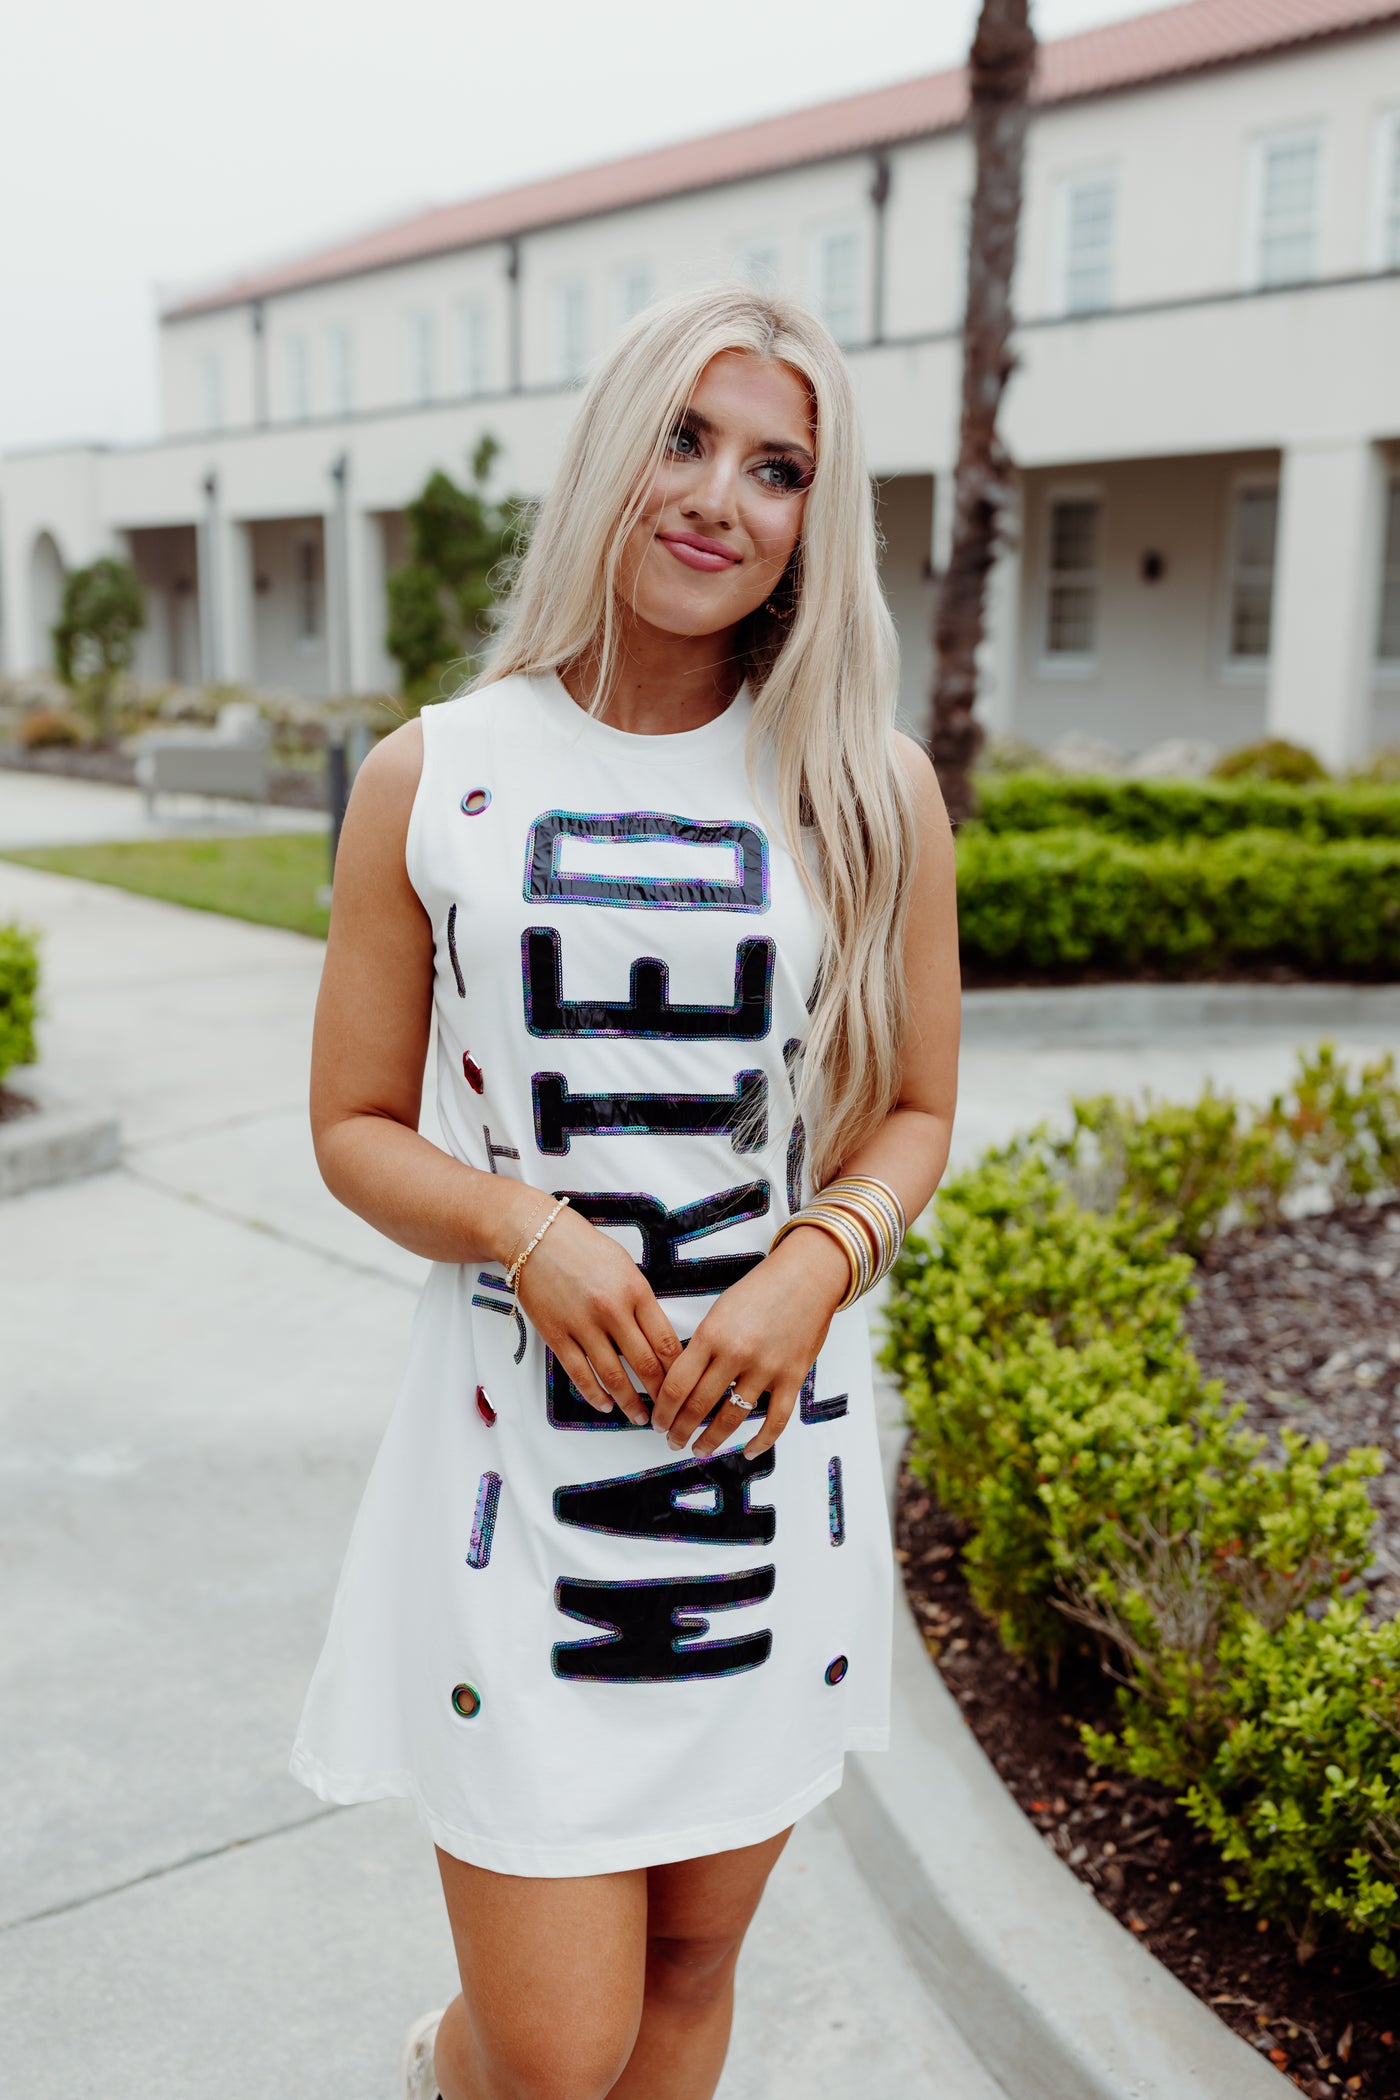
{"x": 865, "y": 1218}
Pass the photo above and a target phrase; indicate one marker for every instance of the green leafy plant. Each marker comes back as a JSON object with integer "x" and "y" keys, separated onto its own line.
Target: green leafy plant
{"x": 1382, "y": 768}
{"x": 1150, "y": 811}
{"x": 1065, "y": 901}
{"x": 1110, "y": 1493}
{"x": 1272, "y": 758}
{"x": 19, "y": 996}
{"x": 94, "y": 639}
{"x": 441, "y": 601}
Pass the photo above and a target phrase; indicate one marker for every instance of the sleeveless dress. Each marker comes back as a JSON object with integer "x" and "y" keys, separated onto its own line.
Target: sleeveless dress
{"x": 575, "y": 1649}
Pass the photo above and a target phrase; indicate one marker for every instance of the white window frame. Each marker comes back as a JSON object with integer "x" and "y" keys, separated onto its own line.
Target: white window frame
{"x": 211, "y": 387}
{"x": 1388, "y": 667}
{"x": 570, "y": 325}
{"x": 1104, "y": 175}
{"x": 822, "y": 238}
{"x": 1064, "y": 663}
{"x": 1289, "y": 135}
{"x": 628, "y": 279}
{"x": 1247, "y": 670}
{"x": 474, "y": 345}
{"x": 757, "y": 260}
{"x": 420, "y": 341}
{"x": 296, "y": 364}
{"x": 1385, "y": 193}
{"x": 340, "y": 368}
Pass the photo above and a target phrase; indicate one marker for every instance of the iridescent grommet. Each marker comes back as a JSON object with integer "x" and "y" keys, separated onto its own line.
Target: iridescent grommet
{"x": 836, "y": 1669}
{"x": 475, "y": 801}
{"x": 472, "y": 1073}
{"x": 467, "y": 1701}
{"x": 484, "y": 1408}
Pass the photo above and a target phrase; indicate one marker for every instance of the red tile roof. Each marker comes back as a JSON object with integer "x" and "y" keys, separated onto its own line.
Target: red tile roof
{"x": 1163, "y": 45}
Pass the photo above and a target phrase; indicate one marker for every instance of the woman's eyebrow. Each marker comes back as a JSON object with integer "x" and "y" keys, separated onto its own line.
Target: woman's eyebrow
{"x": 702, "y": 422}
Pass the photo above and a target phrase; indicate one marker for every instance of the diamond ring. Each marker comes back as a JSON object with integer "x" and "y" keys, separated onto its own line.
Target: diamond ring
{"x": 734, "y": 1398}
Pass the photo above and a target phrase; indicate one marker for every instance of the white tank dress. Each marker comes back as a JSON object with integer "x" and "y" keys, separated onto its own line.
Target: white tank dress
{"x": 575, "y": 1649}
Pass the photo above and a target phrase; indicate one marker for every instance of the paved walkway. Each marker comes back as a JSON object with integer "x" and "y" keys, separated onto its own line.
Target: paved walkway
{"x": 44, "y": 809}
{"x": 200, "y": 1352}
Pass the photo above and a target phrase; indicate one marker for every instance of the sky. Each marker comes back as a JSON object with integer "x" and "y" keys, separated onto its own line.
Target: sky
{"x": 161, "y": 145}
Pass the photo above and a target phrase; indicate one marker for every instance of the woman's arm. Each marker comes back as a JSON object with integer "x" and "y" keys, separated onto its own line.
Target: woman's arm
{"x": 767, "y": 1329}
{"x": 581, "y": 1290}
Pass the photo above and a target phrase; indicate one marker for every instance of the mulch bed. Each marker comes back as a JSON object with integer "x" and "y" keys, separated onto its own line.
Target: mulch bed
{"x": 287, "y": 787}
{"x": 1303, "y": 1325}
{"x": 14, "y": 1105}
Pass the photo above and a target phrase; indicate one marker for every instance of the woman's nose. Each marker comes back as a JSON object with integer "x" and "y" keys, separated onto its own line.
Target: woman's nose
{"x": 712, "y": 492}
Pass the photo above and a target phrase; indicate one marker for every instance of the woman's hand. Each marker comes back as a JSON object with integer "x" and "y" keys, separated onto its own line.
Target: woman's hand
{"x": 597, "y": 1312}
{"x": 762, "y": 1335}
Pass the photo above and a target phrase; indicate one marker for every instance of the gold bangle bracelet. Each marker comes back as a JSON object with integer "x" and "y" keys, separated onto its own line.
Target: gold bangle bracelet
{"x": 846, "y": 1237}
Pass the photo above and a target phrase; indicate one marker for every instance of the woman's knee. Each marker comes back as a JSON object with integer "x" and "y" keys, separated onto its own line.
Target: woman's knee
{"x": 557, "y": 2067}
{"x": 691, "y": 1971}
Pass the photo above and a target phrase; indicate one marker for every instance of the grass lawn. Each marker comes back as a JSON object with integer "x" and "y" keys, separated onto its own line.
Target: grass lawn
{"x": 272, "y": 877}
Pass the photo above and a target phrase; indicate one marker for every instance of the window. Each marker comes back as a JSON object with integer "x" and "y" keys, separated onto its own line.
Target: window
{"x": 838, "y": 286}
{"x": 1289, "y": 184}
{"x": 633, "y": 289}
{"x": 962, "y": 249}
{"x": 211, "y": 378}
{"x": 308, "y": 592}
{"x": 1388, "y": 647}
{"x": 340, "y": 369}
{"x": 1253, "y": 535}
{"x": 1072, "y": 594}
{"x": 422, "y": 356}
{"x": 1088, "y": 214}
{"x": 1388, "y": 186}
{"x": 570, "y": 328}
{"x": 471, "y": 343}
{"x": 298, "y": 379}
{"x": 757, "y": 262}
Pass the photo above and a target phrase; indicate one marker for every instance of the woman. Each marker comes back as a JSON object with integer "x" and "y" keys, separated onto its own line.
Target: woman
{"x": 617, "y": 1599}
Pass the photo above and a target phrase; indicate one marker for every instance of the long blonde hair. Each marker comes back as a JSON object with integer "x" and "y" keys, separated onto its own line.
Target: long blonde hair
{"x": 823, "y": 670}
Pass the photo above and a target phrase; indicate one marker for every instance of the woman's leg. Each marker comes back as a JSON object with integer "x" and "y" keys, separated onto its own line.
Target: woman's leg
{"x": 553, "y": 1973}
{"x": 697, "y": 1914}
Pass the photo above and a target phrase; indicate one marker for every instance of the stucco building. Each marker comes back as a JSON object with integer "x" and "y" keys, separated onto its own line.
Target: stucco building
{"x": 1205, "y": 421}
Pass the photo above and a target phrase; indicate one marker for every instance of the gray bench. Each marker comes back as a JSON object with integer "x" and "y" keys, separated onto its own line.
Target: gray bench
{"x": 229, "y": 761}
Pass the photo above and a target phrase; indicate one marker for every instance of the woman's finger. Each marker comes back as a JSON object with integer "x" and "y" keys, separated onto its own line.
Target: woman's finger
{"x": 780, "y": 1406}
{"x": 679, "y": 1382}
{"x": 580, "y": 1371}
{"x": 724, "y": 1422}
{"x": 706, "y": 1395}
{"x": 612, "y": 1376}
{"x": 660, "y": 1337}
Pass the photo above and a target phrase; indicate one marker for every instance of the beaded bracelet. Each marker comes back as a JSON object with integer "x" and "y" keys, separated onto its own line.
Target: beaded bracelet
{"x": 513, "y": 1272}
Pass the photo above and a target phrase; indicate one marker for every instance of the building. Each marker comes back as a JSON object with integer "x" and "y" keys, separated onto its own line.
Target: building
{"x": 1206, "y": 418}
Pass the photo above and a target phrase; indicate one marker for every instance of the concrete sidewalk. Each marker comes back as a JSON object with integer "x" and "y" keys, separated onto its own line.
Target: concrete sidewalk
{"x": 46, "y": 809}
{"x": 200, "y": 1352}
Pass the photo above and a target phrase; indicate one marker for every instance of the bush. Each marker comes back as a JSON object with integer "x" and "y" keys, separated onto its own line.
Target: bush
{"x": 1150, "y": 811}
{"x": 48, "y": 728}
{"x": 1069, "y": 900}
{"x": 1058, "y": 1411}
{"x": 1273, "y": 758}
{"x": 1382, "y": 768}
{"x": 19, "y": 989}
{"x": 94, "y": 642}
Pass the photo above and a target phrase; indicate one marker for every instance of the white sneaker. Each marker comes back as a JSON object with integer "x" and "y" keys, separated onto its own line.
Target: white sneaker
{"x": 416, "y": 2062}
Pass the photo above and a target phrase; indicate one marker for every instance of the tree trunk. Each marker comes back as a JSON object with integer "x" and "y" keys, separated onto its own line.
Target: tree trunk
{"x": 999, "y": 78}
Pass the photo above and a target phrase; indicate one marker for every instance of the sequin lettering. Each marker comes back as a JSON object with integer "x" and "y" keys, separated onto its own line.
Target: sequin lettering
{"x": 747, "y": 890}
{"x": 704, "y": 1499}
{"x": 559, "y": 1115}
{"x": 647, "y": 1011}
{"x": 488, "y": 1501}
{"x": 665, "y": 1231}
{"x": 656, "y": 1628}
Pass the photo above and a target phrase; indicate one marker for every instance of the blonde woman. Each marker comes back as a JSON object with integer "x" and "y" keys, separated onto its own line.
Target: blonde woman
{"x": 617, "y": 1600}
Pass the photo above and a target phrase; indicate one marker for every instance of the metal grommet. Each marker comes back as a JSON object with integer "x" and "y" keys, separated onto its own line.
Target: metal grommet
{"x": 475, "y": 801}
{"x": 836, "y": 1669}
{"x": 467, "y": 1700}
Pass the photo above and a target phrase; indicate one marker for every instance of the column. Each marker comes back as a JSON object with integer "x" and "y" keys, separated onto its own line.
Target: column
{"x": 371, "y": 670}
{"x": 999, "y": 655}
{"x": 1326, "y": 583}
{"x": 234, "y": 602}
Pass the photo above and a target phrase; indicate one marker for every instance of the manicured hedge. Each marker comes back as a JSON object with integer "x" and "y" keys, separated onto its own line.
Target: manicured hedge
{"x": 1059, "y": 1412}
{"x": 1069, "y": 900}
{"x": 1151, "y": 810}
{"x": 19, "y": 987}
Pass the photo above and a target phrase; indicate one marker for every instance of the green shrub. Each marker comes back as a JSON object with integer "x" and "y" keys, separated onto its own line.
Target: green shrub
{"x": 1148, "y": 811}
{"x": 1069, "y": 900}
{"x": 19, "y": 989}
{"x": 1272, "y": 758}
{"x": 1059, "y": 1412}
{"x": 1382, "y": 768}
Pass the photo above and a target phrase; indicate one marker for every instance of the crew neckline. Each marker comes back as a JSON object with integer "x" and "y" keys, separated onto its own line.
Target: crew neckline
{"x": 564, "y": 711}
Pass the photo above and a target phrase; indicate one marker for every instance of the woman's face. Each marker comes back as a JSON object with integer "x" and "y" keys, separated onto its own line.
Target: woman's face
{"x": 724, "y": 510}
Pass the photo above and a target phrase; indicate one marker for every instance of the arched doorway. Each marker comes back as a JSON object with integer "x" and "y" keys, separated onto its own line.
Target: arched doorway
{"x": 46, "y": 574}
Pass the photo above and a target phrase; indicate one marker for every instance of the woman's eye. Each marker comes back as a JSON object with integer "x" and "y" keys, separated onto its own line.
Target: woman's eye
{"x": 781, "y": 474}
{"x": 685, "y": 442}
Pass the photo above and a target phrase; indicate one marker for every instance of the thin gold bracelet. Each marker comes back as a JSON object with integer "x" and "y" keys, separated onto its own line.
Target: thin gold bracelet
{"x": 513, "y": 1272}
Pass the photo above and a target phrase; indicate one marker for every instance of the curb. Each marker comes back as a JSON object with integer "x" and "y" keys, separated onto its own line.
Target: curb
{"x": 1052, "y": 1994}
{"x": 56, "y": 1143}
{"x": 1127, "y": 1012}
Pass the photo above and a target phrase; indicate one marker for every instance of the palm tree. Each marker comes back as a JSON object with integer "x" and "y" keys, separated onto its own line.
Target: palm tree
{"x": 999, "y": 81}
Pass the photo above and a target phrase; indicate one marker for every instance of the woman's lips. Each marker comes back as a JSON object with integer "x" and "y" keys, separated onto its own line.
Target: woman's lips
{"x": 698, "y": 553}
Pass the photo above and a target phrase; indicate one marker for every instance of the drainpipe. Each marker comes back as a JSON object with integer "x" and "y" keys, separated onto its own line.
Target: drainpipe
{"x": 879, "y": 197}
{"x": 258, "y": 319}
{"x": 340, "y": 475}
{"x": 513, "y": 374}
{"x": 209, "y": 583}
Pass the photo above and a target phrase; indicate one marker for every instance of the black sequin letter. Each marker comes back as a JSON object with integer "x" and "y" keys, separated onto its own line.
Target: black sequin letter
{"x": 665, "y": 1231}
{"x": 745, "y": 890}
{"x": 561, "y": 1115}
{"x": 706, "y": 1499}
{"x": 647, "y": 1012}
{"x": 655, "y": 1628}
